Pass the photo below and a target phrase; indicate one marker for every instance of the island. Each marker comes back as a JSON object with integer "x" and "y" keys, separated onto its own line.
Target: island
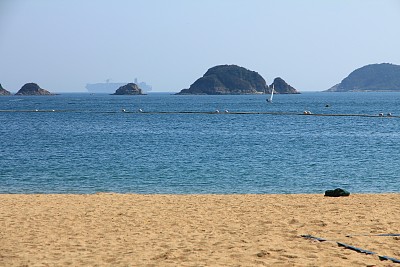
{"x": 235, "y": 80}
{"x": 227, "y": 80}
{"x": 384, "y": 77}
{"x": 129, "y": 89}
{"x": 32, "y": 89}
{"x": 4, "y": 91}
{"x": 281, "y": 87}
{"x": 110, "y": 87}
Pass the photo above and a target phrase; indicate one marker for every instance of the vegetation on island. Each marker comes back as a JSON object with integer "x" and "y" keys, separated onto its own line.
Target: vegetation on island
{"x": 374, "y": 77}
{"x": 230, "y": 80}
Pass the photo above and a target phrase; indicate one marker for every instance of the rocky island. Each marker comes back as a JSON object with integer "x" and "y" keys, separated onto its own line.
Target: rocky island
{"x": 4, "y": 91}
{"x": 110, "y": 87}
{"x": 281, "y": 87}
{"x": 383, "y": 77}
{"x": 234, "y": 80}
{"x": 227, "y": 80}
{"x": 129, "y": 89}
{"x": 32, "y": 89}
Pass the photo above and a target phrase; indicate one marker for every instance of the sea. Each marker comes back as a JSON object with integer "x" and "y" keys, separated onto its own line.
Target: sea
{"x": 162, "y": 143}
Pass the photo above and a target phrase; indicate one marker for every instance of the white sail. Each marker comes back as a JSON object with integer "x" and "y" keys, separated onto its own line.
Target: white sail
{"x": 272, "y": 94}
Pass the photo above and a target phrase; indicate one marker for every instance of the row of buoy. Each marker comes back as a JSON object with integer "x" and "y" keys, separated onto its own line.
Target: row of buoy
{"x": 225, "y": 111}
{"x": 307, "y": 112}
{"x": 140, "y": 110}
{"x": 124, "y": 110}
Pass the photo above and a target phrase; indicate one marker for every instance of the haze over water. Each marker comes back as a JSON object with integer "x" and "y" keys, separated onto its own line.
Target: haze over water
{"x": 312, "y": 45}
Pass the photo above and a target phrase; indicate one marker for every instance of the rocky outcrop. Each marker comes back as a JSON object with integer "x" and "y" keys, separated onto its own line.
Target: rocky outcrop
{"x": 374, "y": 77}
{"x": 281, "y": 87}
{"x": 4, "y": 91}
{"x": 109, "y": 88}
{"x": 129, "y": 89}
{"x": 227, "y": 80}
{"x": 32, "y": 89}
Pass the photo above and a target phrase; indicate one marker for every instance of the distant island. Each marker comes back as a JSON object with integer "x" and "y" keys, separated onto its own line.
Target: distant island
{"x": 109, "y": 88}
{"x": 228, "y": 79}
{"x": 32, "y": 89}
{"x": 129, "y": 89}
{"x": 3, "y": 91}
{"x": 383, "y": 77}
{"x": 281, "y": 87}
{"x": 233, "y": 80}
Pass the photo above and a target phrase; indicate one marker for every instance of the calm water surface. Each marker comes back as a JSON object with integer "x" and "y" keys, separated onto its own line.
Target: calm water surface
{"x": 88, "y": 145}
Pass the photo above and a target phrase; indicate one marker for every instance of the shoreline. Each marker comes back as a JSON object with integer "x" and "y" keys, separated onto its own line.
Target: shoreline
{"x": 197, "y": 230}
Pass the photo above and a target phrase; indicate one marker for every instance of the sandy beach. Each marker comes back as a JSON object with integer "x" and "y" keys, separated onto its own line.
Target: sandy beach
{"x": 197, "y": 230}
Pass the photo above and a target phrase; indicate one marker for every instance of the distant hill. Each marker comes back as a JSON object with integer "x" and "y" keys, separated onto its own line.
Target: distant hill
{"x": 228, "y": 80}
{"x": 374, "y": 77}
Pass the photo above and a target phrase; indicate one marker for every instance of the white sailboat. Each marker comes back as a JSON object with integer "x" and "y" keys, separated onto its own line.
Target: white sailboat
{"x": 272, "y": 95}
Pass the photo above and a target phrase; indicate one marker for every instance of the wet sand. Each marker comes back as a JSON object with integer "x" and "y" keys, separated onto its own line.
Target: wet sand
{"x": 196, "y": 230}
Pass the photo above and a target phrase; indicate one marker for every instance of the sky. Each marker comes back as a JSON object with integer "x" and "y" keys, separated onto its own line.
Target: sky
{"x": 311, "y": 44}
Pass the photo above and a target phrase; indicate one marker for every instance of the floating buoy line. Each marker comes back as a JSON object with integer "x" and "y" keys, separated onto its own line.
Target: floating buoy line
{"x": 225, "y": 112}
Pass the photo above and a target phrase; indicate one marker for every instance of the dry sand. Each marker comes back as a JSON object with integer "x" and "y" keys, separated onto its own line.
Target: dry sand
{"x": 196, "y": 230}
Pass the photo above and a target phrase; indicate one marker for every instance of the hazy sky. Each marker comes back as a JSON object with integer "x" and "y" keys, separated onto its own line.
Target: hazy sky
{"x": 62, "y": 45}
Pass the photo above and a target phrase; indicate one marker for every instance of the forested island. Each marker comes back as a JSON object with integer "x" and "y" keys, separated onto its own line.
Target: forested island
{"x": 235, "y": 80}
{"x": 383, "y": 77}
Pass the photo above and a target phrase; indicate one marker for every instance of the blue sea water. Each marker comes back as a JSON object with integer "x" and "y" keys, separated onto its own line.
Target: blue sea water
{"x": 88, "y": 145}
